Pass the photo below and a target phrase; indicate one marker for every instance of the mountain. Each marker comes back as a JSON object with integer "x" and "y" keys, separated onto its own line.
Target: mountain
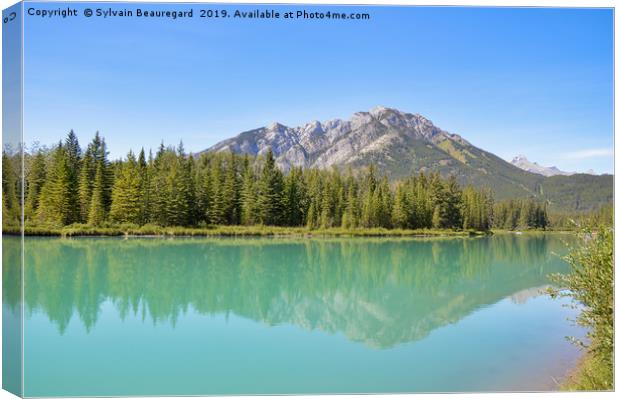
{"x": 520, "y": 161}
{"x": 399, "y": 144}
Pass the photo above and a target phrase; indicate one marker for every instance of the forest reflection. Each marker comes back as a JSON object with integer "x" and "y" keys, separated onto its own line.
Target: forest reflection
{"x": 381, "y": 292}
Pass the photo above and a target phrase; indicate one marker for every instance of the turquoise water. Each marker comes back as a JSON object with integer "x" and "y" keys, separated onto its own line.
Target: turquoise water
{"x": 147, "y": 316}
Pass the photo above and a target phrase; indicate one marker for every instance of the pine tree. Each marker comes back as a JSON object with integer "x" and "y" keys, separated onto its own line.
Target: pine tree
{"x": 108, "y": 173}
{"x": 11, "y": 213}
{"x": 350, "y": 216}
{"x": 527, "y": 214}
{"x": 55, "y": 206}
{"x": 311, "y": 219}
{"x": 437, "y": 220}
{"x": 218, "y": 200}
{"x": 190, "y": 180}
{"x": 248, "y": 195}
{"x": 94, "y": 155}
{"x": 143, "y": 172}
{"x": 401, "y": 210}
{"x": 159, "y": 196}
{"x": 97, "y": 212}
{"x": 269, "y": 197}
{"x": 36, "y": 179}
{"x": 294, "y": 198}
{"x": 231, "y": 192}
{"x": 87, "y": 176}
{"x": 367, "y": 218}
{"x": 74, "y": 152}
{"x": 452, "y": 204}
{"x": 371, "y": 200}
{"x": 74, "y": 157}
{"x": 326, "y": 218}
{"x": 177, "y": 188}
{"x": 126, "y": 194}
{"x": 383, "y": 204}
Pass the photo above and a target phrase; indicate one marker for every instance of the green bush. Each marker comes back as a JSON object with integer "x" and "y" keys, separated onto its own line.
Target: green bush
{"x": 591, "y": 284}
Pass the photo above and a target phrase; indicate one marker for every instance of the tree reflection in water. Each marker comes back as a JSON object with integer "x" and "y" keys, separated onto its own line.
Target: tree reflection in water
{"x": 381, "y": 292}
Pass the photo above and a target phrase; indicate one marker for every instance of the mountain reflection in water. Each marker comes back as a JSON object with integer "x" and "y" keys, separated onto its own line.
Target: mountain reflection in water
{"x": 381, "y": 292}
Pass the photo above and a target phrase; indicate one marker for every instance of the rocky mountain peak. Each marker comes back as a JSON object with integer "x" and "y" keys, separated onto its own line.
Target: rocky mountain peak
{"x": 380, "y": 111}
{"x": 339, "y": 142}
{"x": 276, "y": 126}
{"x": 399, "y": 144}
{"x": 521, "y": 162}
{"x": 519, "y": 158}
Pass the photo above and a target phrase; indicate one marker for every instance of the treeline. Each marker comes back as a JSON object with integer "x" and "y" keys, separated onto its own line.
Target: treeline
{"x": 520, "y": 214}
{"x": 603, "y": 216}
{"x": 65, "y": 185}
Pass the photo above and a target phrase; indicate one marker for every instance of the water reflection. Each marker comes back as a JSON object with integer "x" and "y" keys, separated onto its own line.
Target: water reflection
{"x": 381, "y": 292}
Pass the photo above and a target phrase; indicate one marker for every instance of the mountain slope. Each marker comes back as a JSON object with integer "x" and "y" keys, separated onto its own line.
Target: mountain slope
{"x": 579, "y": 191}
{"x": 398, "y": 143}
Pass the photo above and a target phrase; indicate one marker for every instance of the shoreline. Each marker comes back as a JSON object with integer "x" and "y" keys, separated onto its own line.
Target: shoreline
{"x": 254, "y": 231}
{"x": 234, "y": 231}
{"x": 583, "y": 375}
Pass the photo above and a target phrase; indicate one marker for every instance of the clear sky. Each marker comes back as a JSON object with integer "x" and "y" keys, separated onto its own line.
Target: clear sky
{"x": 537, "y": 82}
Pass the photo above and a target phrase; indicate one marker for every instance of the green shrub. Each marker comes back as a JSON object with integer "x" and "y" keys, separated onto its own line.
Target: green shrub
{"x": 591, "y": 284}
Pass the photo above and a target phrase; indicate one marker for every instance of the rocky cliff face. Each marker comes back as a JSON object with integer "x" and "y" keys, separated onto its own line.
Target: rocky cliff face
{"x": 339, "y": 142}
{"x": 401, "y": 144}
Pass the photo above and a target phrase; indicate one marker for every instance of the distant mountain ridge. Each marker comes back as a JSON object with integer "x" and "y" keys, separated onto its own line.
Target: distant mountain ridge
{"x": 337, "y": 142}
{"x": 521, "y": 161}
{"x": 399, "y": 144}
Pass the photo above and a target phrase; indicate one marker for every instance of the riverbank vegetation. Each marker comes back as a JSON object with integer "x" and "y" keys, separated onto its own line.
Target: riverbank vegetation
{"x": 71, "y": 189}
{"x": 591, "y": 286}
{"x": 234, "y": 231}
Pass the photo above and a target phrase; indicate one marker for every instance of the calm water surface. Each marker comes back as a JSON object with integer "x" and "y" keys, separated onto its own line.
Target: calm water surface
{"x": 111, "y": 316}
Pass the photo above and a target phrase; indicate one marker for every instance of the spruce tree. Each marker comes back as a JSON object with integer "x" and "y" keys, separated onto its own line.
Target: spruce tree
{"x": 311, "y": 219}
{"x": 248, "y": 194}
{"x": 108, "y": 174}
{"x": 218, "y": 200}
{"x": 231, "y": 191}
{"x": 159, "y": 194}
{"x": 269, "y": 197}
{"x": 11, "y": 213}
{"x": 95, "y": 154}
{"x": 350, "y": 216}
{"x": 87, "y": 176}
{"x": 74, "y": 158}
{"x": 437, "y": 219}
{"x": 193, "y": 215}
{"x": 126, "y": 194}
{"x": 383, "y": 204}
{"x": 97, "y": 212}
{"x": 203, "y": 189}
{"x": 326, "y": 218}
{"x": 401, "y": 210}
{"x": 36, "y": 179}
{"x": 177, "y": 185}
{"x": 143, "y": 172}
{"x": 55, "y": 205}
{"x": 294, "y": 198}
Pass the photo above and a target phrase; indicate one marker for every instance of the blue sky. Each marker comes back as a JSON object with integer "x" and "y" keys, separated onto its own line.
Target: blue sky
{"x": 537, "y": 82}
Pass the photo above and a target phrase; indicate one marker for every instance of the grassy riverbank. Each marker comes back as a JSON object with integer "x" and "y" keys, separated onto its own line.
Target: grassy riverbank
{"x": 590, "y": 374}
{"x": 233, "y": 231}
{"x": 533, "y": 231}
